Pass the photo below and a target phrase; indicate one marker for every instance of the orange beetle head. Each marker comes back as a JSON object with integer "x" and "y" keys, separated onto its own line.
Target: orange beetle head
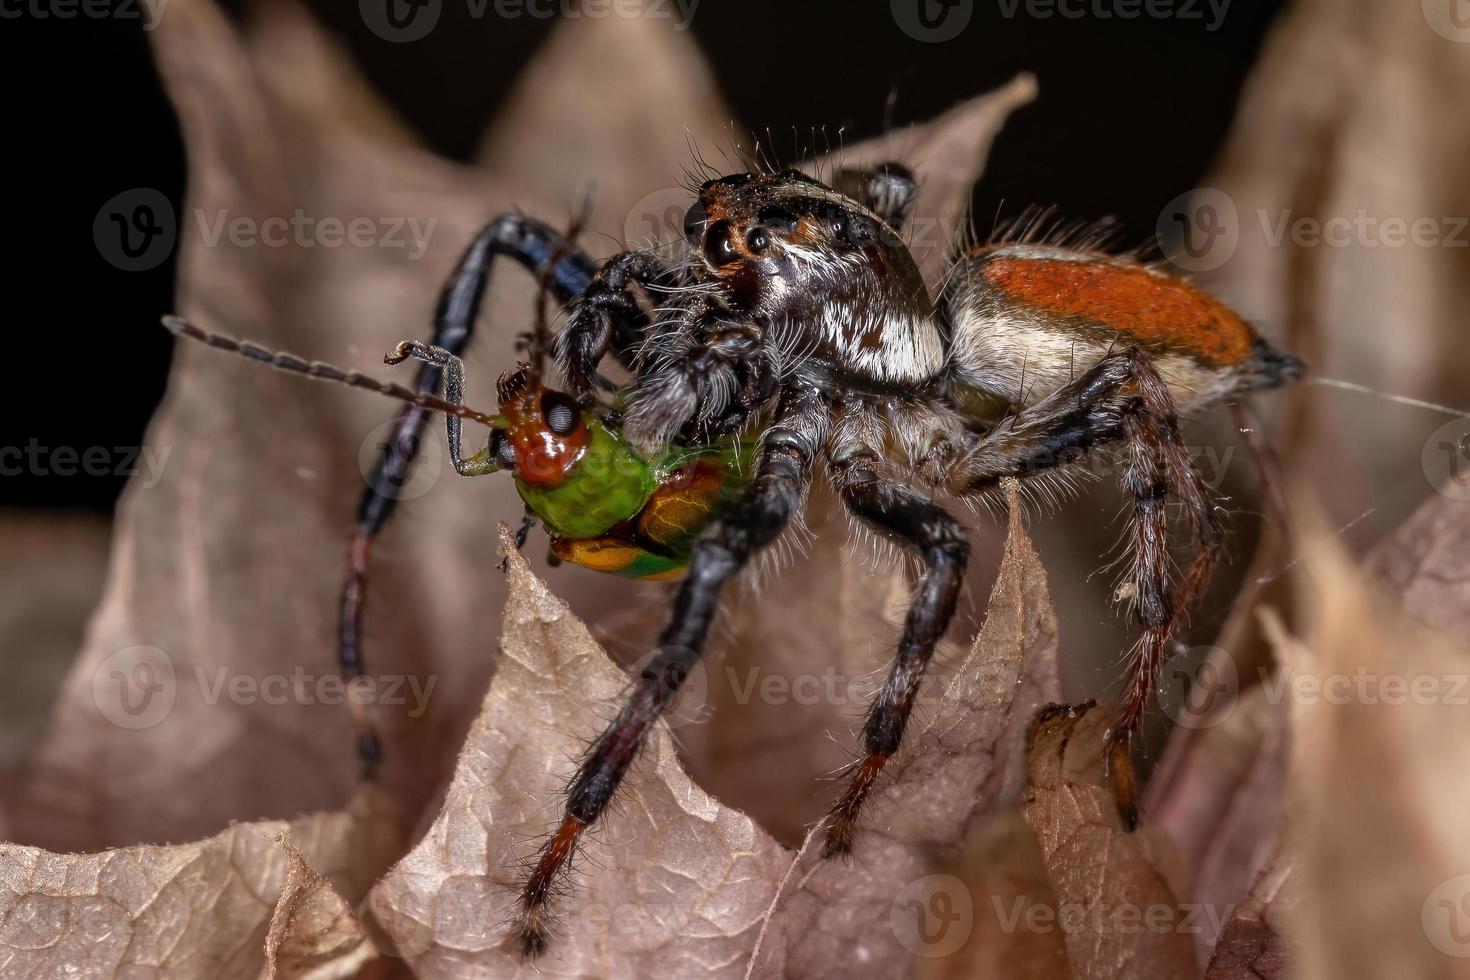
{"x": 545, "y": 435}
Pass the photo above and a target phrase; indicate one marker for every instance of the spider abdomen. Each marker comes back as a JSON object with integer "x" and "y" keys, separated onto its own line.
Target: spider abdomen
{"x": 1027, "y": 318}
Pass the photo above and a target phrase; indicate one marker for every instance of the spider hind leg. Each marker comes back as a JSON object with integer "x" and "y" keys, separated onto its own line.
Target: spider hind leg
{"x": 1122, "y": 399}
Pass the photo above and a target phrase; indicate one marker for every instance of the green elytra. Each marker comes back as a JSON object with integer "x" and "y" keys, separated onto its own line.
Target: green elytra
{"x": 605, "y": 506}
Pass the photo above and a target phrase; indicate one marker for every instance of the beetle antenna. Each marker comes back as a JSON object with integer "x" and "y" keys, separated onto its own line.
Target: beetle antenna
{"x": 284, "y": 361}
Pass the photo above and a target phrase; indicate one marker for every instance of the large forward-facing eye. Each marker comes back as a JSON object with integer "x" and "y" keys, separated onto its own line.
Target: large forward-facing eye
{"x": 719, "y": 248}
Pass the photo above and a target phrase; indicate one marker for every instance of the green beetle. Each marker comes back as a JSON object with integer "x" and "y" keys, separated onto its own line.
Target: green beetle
{"x": 606, "y": 507}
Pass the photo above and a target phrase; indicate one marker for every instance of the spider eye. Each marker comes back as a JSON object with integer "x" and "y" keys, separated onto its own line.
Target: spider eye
{"x": 503, "y": 450}
{"x": 694, "y": 221}
{"x": 839, "y": 225}
{"x": 560, "y": 412}
{"x": 758, "y": 240}
{"x": 778, "y": 220}
{"x": 717, "y": 244}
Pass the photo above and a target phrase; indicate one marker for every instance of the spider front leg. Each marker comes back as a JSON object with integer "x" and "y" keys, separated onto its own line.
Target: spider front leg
{"x": 1122, "y": 398}
{"x": 709, "y": 376}
{"x": 782, "y": 474}
{"x": 612, "y": 313}
{"x": 567, "y": 271}
{"x": 916, "y": 522}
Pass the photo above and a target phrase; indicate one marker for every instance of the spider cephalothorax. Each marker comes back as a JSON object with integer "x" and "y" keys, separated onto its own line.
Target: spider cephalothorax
{"x": 784, "y": 247}
{"x": 798, "y": 316}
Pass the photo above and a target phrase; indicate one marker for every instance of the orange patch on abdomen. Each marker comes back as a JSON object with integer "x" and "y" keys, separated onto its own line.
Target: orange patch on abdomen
{"x": 1160, "y": 311}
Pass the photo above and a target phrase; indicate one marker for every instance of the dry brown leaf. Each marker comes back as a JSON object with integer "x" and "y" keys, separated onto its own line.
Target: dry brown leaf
{"x": 1114, "y": 904}
{"x": 1003, "y": 870}
{"x": 1426, "y": 564}
{"x": 51, "y": 571}
{"x": 186, "y": 910}
{"x": 313, "y": 934}
{"x": 1352, "y": 115}
{"x": 1381, "y": 743}
{"x": 672, "y": 883}
{"x": 962, "y": 758}
{"x": 1255, "y": 944}
{"x": 1217, "y": 795}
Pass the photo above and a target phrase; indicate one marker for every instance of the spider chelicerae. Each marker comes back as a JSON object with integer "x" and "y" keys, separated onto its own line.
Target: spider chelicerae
{"x": 795, "y": 318}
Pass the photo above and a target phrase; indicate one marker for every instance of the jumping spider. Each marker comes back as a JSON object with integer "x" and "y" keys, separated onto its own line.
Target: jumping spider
{"x": 797, "y": 310}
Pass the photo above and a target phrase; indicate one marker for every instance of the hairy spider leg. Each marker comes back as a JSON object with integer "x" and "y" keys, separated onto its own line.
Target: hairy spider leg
{"x": 917, "y": 523}
{"x": 774, "y": 496}
{"x": 536, "y": 247}
{"x": 1121, "y": 398}
{"x": 612, "y": 313}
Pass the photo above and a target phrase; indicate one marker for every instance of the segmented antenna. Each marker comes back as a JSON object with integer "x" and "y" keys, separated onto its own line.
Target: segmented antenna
{"x": 324, "y": 372}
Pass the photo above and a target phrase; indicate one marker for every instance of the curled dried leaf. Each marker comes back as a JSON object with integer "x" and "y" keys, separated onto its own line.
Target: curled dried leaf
{"x": 1115, "y": 906}
{"x": 198, "y": 909}
{"x": 671, "y": 881}
{"x": 1381, "y": 742}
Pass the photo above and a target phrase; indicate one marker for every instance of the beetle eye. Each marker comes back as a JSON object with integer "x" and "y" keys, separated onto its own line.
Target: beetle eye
{"x": 560, "y": 412}
{"x": 503, "y": 450}
{"x": 758, "y": 240}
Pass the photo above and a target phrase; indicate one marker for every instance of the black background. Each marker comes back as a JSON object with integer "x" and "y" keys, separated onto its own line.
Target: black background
{"x": 1131, "y": 114}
